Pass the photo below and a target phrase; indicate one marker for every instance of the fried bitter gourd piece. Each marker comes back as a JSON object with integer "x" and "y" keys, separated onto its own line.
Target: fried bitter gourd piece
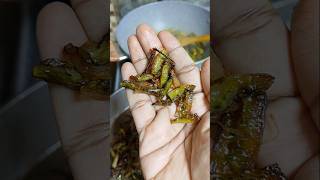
{"x": 225, "y": 89}
{"x": 90, "y": 71}
{"x": 67, "y": 76}
{"x": 237, "y": 128}
{"x": 159, "y": 79}
{"x": 95, "y": 53}
{"x": 83, "y": 68}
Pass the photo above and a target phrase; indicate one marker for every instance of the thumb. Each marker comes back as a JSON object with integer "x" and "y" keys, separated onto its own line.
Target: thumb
{"x": 205, "y": 78}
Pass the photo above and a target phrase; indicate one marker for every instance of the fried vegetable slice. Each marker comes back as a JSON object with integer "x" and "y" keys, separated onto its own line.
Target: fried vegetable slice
{"x": 184, "y": 107}
{"x": 97, "y": 54}
{"x": 179, "y": 91}
{"x": 167, "y": 87}
{"x": 59, "y": 74}
{"x": 236, "y": 132}
{"x": 159, "y": 79}
{"x": 176, "y": 93}
{"x": 84, "y": 69}
{"x": 176, "y": 82}
{"x": 182, "y": 120}
{"x": 155, "y": 63}
{"x": 141, "y": 86}
{"x": 165, "y": 74}
{"x": 225, "y": 89}
{"x": 143, "y": 77}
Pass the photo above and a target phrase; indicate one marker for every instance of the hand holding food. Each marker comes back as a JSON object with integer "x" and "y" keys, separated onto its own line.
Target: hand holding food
{"x": 81, "y": 120}
{"x": 252, "y": 38}
{"x": 160, "y": 80}
{"x": 160, "y": 139}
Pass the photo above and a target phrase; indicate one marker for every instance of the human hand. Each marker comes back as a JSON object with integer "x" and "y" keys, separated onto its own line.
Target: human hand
{"x": 251, "y": 38}
{"x": 169, "y": 151}
{"x": 82, "y": 122}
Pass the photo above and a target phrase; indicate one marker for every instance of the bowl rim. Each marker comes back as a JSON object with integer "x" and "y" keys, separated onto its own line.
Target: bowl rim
{"x": 152, "y": 4}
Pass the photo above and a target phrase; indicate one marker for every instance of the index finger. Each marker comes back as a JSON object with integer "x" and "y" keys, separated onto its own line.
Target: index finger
{"x": 93, "y": 17}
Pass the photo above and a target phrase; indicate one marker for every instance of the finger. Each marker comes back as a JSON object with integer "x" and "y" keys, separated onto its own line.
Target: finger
{"x": 310, "y": 169}
{"x": 140, "y": 104}
{"x": 162, "y": 156}
{"x": 305, "y": 53}
{"x": 138, "y": 57}
{"x": 57, "y": 25}
{"x": 251, "y": 38}
{"x": 158, "y": 133}
{"x": 178, "y": 166}
{"x": 205, "y": 78}
{"x": 93, "y": 17}
{"x": 288, "y": 123}
{"x": 114, "y": 56}
{"x": 148, "y": 38}
{"x": 200, "y": 157}
{"x": 186, "y": 70}
{"x": 52, "y": 33}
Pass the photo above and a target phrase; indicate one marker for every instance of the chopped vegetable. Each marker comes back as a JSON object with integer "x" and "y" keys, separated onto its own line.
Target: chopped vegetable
{"x": 196, "y": 50}
{"x": 165, "y": 74}
{"x": 237, "y": 121}
{"x": 159, "y": 79}
{"x": 83, "y": 68}
{"x": 225, "y": 89}
{"x": 143, "y": 77}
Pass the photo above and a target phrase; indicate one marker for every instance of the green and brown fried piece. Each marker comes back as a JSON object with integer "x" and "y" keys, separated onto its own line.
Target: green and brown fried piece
{"x": 84, "y": 69}
{"x": 237, "y": 123}
{"x": 227, "y": 88}
{"x": 159, "y": 80}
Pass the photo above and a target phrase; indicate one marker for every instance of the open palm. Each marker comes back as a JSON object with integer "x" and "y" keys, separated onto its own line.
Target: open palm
{"x": 169, "y": 151}
{"x": 251, "y": 38}
{"x": 82, "y": 122}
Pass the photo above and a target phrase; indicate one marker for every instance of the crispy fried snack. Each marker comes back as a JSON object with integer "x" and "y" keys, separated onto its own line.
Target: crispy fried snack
{"x": 237, "y": 121}
{"x": 159, "y": 80}
{"x": 84, "y": 69}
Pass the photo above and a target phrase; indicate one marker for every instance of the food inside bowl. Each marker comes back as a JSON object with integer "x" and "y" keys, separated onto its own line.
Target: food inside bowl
{"x": 197, "y": 50}
{"x": 125, "y": 149}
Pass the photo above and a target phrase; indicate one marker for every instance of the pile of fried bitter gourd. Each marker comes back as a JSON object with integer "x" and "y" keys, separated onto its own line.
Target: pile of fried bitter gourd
{"x": 84, "y": 69}
{"x": 238, "y": 104}
{"x": 159, "y": 79}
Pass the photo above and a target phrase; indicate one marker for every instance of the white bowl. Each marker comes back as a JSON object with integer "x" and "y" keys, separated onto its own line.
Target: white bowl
{"x": 177, "y": 15}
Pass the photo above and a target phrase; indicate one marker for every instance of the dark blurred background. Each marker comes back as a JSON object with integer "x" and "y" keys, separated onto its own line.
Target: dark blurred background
{"x": 30, "y": 147}
{"x": 18, "y": 48}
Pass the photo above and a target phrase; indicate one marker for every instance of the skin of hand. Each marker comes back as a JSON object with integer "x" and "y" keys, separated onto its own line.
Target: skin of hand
{"x": 250, "y": 38}
{"x": 169, "y": 151}
{"x": 82, "y": 122}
